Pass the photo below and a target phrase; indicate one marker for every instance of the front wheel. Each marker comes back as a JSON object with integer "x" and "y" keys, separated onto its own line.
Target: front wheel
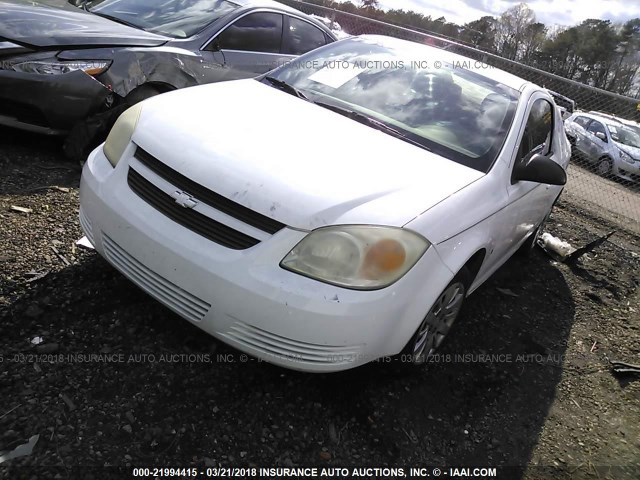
{"x": 438, "y": 321}
{"x": 604, "y": 167}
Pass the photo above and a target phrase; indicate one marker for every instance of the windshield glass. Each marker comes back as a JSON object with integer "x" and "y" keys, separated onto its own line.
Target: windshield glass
{"x": 624, "y": 135}
{"x": 176, "y": 18}
{"x": 634, "y": 129}
{"x": 426, "y": 94}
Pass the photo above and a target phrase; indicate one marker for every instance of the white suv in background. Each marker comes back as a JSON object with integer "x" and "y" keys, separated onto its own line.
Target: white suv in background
{"x": 612, "y": 146}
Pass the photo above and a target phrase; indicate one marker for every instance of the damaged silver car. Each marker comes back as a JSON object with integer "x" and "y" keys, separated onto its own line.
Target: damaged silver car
{"x": 72, "y": 71}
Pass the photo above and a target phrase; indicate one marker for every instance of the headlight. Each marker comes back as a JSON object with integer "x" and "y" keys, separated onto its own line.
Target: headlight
{"x": 121, "y": 133}
{"x": 58, "y": 67}
{"x": 361, "y": 257}
{"x": 626, "y": 157}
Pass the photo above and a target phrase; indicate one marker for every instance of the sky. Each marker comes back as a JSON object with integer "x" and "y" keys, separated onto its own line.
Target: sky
{"x": 550, "y": 12}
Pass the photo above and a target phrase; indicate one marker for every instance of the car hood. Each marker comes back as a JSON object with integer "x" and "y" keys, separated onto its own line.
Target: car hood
{"x": 634, "y": 152}
{"x": 36, "y": 25}
{"x": 8, "y": 48}
{"x": 291, "y": 160}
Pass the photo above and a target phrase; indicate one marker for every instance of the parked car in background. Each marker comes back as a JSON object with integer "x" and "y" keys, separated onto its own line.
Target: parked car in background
{"x": 604, "y": 142}
{"x": 79, "y": 68}
{"x": 238, "y": 212}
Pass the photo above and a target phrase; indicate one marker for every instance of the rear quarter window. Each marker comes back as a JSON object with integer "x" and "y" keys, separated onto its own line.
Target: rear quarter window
{"x": 301, "y": 37}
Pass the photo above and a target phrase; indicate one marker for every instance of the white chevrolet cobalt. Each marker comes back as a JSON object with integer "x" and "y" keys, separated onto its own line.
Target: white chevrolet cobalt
{"x": 334, "y": 211}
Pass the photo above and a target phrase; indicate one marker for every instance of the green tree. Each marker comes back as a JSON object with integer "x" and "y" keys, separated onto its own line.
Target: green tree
{"x": 481, "y": 33}
{"x": 535, "y": 35}
{"x": 370, "y": 4}
{"x": 628, "y": 59}
{"x": 597, "y": 42}
{"x": 511, "y": 30}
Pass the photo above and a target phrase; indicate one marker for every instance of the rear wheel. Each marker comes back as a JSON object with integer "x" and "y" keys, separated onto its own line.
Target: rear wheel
{"x": 439, "y": 319}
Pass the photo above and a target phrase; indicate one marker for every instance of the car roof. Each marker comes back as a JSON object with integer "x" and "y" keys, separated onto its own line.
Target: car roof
{"x": 267, "y": 4}
{"x": 437, "y": 54}
{"x": 605, "y": 118}
{"x": 624, "y": 121}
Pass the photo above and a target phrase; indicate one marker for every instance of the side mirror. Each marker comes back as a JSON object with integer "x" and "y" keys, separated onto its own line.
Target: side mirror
{"x": 214, "y": 45}
{"x": 601, "y": 136}
{"x": 540, "y": 169}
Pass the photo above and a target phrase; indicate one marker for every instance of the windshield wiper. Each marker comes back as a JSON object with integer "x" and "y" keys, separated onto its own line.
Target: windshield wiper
{"x": 116, "y": 19}
{"x": 372, "y": 122}
{"x": 286, "y": 87}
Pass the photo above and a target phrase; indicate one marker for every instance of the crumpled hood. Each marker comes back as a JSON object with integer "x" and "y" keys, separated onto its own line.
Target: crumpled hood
{"x": 49, "y": 27}
{"x": 296, "y": 162}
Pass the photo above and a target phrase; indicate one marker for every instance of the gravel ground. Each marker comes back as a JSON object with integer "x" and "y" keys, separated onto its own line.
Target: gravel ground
{"x": 117, "y": 379}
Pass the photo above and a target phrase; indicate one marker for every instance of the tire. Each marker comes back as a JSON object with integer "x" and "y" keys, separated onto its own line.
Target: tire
{"x": 529, "y": 245}
{"x": 604, "y": 167}
{"x": 141, "y": 93}
{"x": 438, "y": 321}
{"x": 532, "y": 240}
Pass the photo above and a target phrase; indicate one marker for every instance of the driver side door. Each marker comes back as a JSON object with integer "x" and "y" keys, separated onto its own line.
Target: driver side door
{"x": 527, "y": 202}
{"x": 595, "y": 146}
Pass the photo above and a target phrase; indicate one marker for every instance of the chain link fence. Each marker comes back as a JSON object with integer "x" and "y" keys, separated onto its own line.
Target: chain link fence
{"x": 604, "y": 174}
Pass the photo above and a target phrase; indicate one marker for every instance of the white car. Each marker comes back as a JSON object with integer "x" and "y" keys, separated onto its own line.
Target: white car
{"x": 335, "y": 211}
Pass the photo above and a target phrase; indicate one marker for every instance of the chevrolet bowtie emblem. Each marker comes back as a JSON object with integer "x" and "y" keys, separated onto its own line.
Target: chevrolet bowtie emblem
{"x": 184, "y": 199}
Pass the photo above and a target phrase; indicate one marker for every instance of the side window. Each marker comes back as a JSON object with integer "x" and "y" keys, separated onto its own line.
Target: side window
{"x": 301, "y": 37}
{"x": 256, "y": 32}
{"x": 582, "y": 121}
{"x": 596, "y": 127}
{"x": 537, "y": 133}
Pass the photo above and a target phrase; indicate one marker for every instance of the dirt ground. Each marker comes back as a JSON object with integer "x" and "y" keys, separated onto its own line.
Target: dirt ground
{"x": 523, "y": 381}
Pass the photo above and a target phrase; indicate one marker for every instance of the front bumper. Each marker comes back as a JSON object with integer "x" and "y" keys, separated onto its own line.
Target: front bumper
{"x": 49, "y": 104}
{"x": 243, "y": 297}
{"x": 629, "y": 171}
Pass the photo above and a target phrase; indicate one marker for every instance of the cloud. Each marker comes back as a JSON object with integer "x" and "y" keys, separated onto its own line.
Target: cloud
{"x": 550, "y": 12}
{"x": 457, "y": 11}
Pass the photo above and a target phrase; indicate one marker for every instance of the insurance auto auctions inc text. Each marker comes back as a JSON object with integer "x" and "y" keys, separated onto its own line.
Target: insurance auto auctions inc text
{"x": 375, "y": 472}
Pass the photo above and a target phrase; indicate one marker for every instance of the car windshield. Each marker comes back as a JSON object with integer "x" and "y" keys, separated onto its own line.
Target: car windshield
{"x": 634, "y": 129}
{"x": 430, "y": 96}
{"x": 624, "y": 135}
{"x": 176, "y": 18}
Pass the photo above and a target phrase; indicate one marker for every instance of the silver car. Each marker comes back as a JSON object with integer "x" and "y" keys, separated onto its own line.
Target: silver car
{"x": 611, "y": 146}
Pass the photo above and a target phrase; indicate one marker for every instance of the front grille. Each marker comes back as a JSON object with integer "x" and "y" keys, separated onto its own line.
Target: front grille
{"x": 182, "y": 302}
{"x": 196, "y": 222}
{"x": 203, "y": 194}
{"x": 281, "y": 347}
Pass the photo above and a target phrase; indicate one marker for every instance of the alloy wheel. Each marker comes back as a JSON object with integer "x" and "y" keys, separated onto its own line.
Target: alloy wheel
{"x": 437, "y": 323}
{"x": 604, "y": 167}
